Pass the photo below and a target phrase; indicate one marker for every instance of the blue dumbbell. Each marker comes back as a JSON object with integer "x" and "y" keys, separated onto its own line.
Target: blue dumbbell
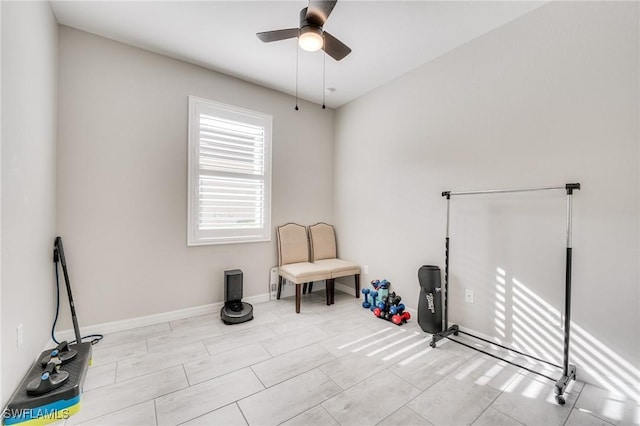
{"x": 374, "y": 295}
{"x": 397, "y": 309}
{"x": 366, "y": 303}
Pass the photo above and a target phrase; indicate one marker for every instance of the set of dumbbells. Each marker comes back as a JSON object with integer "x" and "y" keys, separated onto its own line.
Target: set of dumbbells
{"x": 390, "y": 309}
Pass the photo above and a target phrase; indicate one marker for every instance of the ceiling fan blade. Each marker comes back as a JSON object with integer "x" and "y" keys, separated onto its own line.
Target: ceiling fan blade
{"x": 318, "y": 11}
{"x": 334, "y": 47}
{"x": 269, "y": 36}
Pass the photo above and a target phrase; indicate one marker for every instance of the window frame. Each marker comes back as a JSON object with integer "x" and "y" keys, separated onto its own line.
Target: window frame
{"x": 195, "y": 235}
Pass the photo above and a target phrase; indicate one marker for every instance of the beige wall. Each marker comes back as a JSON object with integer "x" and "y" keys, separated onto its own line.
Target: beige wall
{"x": 122, "y": 179}
{"x": 29, "y": 91}
{"x": 549, "y": 98}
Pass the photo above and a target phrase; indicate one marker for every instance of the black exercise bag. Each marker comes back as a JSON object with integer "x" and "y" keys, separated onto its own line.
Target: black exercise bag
{"x": 430, "y": 303}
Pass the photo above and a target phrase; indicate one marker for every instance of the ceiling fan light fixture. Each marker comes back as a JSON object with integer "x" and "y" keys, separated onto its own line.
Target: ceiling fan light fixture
{"x": 310, "y": 39}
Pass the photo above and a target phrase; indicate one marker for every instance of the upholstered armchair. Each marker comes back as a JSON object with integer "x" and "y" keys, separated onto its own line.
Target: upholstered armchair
{"x": 324, "y": 253}
{"x": 293, "y": 261}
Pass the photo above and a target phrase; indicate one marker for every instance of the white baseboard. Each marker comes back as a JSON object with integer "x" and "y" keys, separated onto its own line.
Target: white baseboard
{"x": 259, "y": 298}
{"x": 113, "y": 326}
{"x": 345, "y": 289}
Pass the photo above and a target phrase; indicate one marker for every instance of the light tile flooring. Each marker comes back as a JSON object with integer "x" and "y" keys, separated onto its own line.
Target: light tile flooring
{"x": 329, "y": 365}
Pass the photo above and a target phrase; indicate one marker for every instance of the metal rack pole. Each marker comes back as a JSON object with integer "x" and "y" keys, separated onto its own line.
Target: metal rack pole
{"x": 446, "y": 271}
{"x": 567, "y": 295}
{"x": 446, "y": 330}
{"x": 568, "y": 371}
{"x": 503, "y": 191}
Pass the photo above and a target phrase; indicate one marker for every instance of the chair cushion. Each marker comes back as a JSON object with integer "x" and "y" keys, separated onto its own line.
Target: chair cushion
{"x": 338, "y": 267}
{"x": 323, "y": 241}
{"x": 304, "y": 272}
{"x": 293, "y": 245}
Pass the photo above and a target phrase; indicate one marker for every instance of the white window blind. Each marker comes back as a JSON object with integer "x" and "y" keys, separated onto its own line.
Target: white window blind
{"x": 229, "y": 174}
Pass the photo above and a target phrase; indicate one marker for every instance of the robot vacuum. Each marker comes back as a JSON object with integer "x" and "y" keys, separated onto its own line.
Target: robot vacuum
{"x": 234, "y": 311}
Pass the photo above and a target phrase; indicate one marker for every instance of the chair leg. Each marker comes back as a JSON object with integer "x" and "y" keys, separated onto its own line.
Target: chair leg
{"x": 357, "y": 277}
{"x": 304, "y": 288}
{"x": 331, "y": 284}
{"x": 327, "y": 290}
{"x": 298, "y": 298}
{"x": 310, "y": 287}
{"x": 279, "y": 287}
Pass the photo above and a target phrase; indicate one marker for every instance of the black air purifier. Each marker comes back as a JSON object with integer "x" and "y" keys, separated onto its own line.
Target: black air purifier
{"x": 430, "y": 303}
{"x": 234, "y": 311}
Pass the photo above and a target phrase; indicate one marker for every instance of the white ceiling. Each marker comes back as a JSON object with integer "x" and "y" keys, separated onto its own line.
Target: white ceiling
{"x": 388, "y": 38}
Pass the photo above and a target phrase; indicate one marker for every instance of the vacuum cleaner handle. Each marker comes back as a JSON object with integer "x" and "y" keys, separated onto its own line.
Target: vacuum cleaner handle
{"x": 58, "y": 254}
{"x": 59, "y": 249}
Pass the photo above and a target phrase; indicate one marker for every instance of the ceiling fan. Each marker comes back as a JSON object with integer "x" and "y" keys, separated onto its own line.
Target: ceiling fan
{"x": 311, "y": 36}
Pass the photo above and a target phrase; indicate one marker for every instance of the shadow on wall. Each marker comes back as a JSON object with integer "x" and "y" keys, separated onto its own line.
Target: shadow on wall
{"x": 537, "y": 328}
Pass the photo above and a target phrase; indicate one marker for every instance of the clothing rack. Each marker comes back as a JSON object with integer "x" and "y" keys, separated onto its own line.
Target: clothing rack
{"x": 568, "y": 370}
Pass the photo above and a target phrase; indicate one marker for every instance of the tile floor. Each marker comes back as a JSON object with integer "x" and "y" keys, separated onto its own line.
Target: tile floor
{"x": 329, "y": 365}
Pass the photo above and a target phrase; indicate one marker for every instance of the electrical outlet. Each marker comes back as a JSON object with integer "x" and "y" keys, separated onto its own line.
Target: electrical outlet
{"x": 468, "y": 295}
{"x": 365, "y": 269}
{"x": 19, "y": 335}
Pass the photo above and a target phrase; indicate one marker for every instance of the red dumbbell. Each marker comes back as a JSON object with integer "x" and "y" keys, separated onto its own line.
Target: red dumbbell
{"x": 377, "y": 312}
{"x": 399, "y": 319}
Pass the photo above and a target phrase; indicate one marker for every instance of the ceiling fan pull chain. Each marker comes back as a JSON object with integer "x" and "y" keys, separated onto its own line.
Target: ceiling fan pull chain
{"x": 297, "y": 77}
{"x": 324, "y": 78}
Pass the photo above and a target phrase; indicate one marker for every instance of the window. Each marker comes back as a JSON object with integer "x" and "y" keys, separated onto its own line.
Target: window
{"x": 229, "y": 174}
